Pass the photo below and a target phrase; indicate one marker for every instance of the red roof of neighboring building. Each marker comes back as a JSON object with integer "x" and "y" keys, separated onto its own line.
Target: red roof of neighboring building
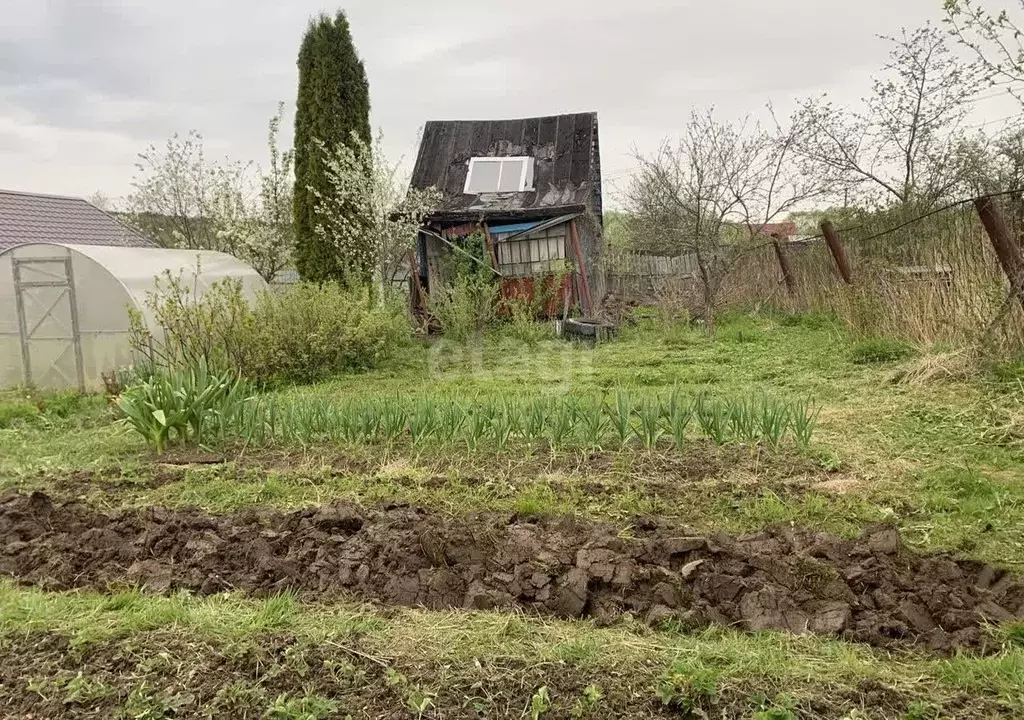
{"x": 784, "y": 229}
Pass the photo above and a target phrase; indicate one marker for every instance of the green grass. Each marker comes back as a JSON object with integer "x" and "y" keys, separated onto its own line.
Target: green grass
{"x": 891, "y": 448}
{"x": 942, "y": 459}
{"x": 880, "y": 350}
{"x": 444, "y": 653}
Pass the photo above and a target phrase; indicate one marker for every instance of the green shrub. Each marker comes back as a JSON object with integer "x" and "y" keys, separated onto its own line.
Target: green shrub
{"x": 811, "y": 321}
{"x": 465, "y": 306}
{"x": 308, "y": 331}
{"x": 881, "y": 350}
{"x": 190, "y": 325}
{"x": 466, "y": 303}
{"x": 62, "y": 404}
{"x": 522, "y": 324}
{"x": 300, "y": 333}
{"x": 15, "y": 412}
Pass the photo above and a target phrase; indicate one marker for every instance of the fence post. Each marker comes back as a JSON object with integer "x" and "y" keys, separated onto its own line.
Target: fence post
{"x": 787, "y": 271}
{"x": 1003, "y": 243}
{"x": 832, "y": 239}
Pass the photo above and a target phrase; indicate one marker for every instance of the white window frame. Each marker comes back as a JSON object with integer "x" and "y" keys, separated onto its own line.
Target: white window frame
{"x": 525, "y": 178}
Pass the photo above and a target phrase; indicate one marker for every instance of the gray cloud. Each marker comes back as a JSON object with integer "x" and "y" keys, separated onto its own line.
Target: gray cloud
{"x": 86, "y": 84}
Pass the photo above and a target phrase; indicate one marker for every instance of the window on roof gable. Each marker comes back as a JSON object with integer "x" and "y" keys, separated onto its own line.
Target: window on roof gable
{"x": 499, "y": 174}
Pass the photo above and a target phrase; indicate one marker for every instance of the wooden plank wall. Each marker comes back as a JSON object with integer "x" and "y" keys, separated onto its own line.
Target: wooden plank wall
{"x": 636, "y": 276}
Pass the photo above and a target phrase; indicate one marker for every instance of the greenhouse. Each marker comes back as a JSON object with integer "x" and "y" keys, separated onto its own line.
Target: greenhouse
{"x": 64, "y": 309}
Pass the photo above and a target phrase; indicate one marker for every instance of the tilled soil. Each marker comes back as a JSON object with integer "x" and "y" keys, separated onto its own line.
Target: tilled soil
{"x": 871, "y": 589}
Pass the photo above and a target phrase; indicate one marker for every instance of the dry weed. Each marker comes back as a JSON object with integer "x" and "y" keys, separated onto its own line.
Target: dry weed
{"x": 960, "y": 364}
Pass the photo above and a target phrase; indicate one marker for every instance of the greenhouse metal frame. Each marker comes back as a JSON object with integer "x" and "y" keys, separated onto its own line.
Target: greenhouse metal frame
{"x": 64, "y": 309}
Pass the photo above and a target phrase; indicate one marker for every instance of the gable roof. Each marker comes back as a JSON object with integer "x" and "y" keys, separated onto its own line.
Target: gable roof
{"x": 34, "y": 218}
{"x": 567, "y": 164}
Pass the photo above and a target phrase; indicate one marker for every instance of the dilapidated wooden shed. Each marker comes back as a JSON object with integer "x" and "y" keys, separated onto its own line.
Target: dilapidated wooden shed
{"x": 531, "y": 187}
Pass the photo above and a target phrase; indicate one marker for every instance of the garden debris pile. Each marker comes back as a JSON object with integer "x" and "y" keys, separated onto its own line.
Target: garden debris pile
{"x": 871, "y": 589}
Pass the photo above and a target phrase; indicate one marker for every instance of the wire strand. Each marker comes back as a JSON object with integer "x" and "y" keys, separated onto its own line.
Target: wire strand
{"x": 927, "y": 215}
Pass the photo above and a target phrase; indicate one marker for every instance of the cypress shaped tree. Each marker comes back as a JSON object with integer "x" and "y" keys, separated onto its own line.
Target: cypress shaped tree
{"x": 333, "y": 102}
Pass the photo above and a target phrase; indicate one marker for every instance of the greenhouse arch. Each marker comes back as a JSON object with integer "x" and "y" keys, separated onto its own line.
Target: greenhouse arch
{"x": 64, "y": 309}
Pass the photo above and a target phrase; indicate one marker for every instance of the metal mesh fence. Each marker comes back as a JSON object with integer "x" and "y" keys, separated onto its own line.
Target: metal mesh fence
{"x": 933, "y": 278}
{"x": 926, "y": 279}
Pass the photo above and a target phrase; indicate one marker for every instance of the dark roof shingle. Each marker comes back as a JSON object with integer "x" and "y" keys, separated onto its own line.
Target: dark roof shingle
{"x": 566, "y": 162}
{"x": 34, "y": 218}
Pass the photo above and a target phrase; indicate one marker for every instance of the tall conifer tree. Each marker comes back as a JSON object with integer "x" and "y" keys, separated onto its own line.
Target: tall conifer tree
{"x": 333, "y": 102}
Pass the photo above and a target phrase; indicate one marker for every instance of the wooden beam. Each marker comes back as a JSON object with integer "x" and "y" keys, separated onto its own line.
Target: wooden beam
{"x": 836, "y": 247}
{"x": 1003, "y": 243}
{"x": 787, "y": 271}
{"x": 489, "y": 243}
{"x": 421, "y": 296}
{"x": 581, "y": 268}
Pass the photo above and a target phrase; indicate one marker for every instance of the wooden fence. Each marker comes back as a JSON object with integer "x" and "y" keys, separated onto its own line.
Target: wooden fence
{"x": 638, "y": 277}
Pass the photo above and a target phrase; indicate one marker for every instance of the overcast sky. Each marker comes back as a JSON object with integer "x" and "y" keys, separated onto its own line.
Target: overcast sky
{"x": 87, "y": 84}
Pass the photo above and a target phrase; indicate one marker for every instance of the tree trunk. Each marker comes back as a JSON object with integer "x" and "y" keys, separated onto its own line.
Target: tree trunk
{"x": 709, "y": 314}
{"x": 709, "y": 295}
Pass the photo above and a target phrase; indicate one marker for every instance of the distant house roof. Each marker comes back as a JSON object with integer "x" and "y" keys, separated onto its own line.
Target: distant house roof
{"x": 35, "y": 218}
{"x": 567, "y": 164}
{"x": 784, "y": 229}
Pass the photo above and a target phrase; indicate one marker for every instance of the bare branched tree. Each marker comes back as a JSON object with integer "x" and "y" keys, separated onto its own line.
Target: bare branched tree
{"x": 253, "y": 211}
{"x": 903, "y": 145}
{"x": 997, "y": 40}
{"x": 996, "y": 165}
{"x": 710, "y": 194}
{"x": 174, "y": 193}
{"x": 994, "y": 37}
{"x": 184, "y": 200}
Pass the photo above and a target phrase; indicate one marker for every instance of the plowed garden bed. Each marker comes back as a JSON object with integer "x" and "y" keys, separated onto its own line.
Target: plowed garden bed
{"x": 871, "y": 589}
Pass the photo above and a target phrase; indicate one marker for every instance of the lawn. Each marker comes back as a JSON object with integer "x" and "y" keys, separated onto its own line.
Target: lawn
{"x": 939, "y": 457}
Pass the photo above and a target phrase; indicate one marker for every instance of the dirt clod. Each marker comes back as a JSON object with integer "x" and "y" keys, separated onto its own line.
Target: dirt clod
{"x": 917, "y": 616}
{"x": 871, "y": 589}
{"x": 883, "y": 540}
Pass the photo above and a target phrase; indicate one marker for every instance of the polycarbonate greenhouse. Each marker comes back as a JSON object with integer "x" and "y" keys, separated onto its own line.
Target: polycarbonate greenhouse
{"x": 64, "y": 317}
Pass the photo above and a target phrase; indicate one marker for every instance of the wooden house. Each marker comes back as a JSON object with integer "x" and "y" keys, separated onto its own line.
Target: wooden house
{"x": 530, "y": 187}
